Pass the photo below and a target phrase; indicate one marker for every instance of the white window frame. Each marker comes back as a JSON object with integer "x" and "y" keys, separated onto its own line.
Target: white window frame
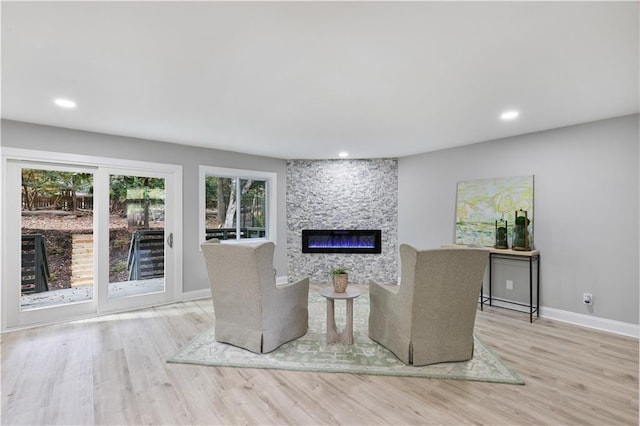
{"x": 271, "y": 183}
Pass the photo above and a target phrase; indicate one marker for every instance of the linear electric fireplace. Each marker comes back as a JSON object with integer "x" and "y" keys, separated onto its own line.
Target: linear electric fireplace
{"x": 341, "y": 241}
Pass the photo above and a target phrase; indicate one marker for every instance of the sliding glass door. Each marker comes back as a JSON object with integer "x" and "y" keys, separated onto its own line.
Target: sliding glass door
{"x": 82, "y": 239}
{"x": 139, "y": 243}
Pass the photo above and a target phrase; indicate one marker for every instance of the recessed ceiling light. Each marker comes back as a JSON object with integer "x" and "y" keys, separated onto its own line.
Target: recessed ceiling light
{"x": 509, "y": 115}
{"x": 65, "y": 103}
{"x": 343, "y": 154}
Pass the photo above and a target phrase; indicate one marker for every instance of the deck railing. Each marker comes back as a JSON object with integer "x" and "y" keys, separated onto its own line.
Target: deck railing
{"x": 35, "y": 266}
{"x": 146, "y": 255}
{"x": 232, "y": 233}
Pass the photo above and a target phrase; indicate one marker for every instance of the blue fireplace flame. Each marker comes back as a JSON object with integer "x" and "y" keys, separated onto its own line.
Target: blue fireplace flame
{"x": 344, "y": 242}
{"x": 341, "y": 241}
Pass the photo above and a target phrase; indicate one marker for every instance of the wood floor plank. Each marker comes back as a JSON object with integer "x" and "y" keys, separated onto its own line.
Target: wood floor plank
{"x": 113, "y": 370}
{"x": 114, "y": 399}
{"x": 193, "y": 385}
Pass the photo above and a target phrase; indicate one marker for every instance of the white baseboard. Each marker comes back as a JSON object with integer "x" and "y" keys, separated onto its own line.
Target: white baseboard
{"x": 604, "y": 324}
{"x": 206, "y": 292}
{"x": 588, "y": 321}
{"x": 196, "y": 294}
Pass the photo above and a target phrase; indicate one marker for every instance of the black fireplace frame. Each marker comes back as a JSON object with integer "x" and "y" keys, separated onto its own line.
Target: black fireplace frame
{"x": 309, "y": 234}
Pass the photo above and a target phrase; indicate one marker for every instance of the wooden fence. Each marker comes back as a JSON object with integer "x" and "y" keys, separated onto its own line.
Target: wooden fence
{"x": 59, "y": 202}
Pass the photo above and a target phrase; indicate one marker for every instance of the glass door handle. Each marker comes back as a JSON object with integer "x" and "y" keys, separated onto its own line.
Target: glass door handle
{"x": 170, "y": 240}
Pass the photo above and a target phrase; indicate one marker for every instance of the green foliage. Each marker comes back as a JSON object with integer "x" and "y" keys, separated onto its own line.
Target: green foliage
{"x": 221, "y": 199}
{"x": 338, "y": 270}
{"x": 54, "y": 251}
{"x": 120, "y": 243}
{"x": 119, "y": 184}
{"x": 56, "y": 184}
{"x": 119, "y": 266}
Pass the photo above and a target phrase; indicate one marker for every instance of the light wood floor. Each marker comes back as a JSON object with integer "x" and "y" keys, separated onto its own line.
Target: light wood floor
{"x": 113, "y": 370}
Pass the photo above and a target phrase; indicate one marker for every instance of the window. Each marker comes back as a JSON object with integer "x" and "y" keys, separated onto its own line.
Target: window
{"x": 237, "y": 205}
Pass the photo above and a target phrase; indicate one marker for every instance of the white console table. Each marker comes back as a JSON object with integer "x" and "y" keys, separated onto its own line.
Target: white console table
{"x": 532, "y": 256}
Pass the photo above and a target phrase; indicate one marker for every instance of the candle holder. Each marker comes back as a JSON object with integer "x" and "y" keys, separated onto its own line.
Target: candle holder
{"x": 521, "y": 231}
{"x": 501, "y": 234}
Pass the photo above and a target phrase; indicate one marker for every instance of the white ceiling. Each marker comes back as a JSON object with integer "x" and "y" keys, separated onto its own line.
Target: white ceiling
{"x": 309, "y": 79}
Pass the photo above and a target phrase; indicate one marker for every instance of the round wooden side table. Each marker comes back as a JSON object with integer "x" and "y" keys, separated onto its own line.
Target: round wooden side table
{"x": 333, "y": 334}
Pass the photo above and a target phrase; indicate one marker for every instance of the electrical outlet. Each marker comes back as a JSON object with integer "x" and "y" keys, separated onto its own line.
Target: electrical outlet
{"x": 587, "y": 298}
{"x": 509, "y": 284}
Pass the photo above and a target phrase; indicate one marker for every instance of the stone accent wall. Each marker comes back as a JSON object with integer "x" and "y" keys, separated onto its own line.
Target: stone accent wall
{"x": 343, "y": 194}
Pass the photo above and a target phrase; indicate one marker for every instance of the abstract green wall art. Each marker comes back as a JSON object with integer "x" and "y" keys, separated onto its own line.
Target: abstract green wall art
{"x": 479, "y": 203}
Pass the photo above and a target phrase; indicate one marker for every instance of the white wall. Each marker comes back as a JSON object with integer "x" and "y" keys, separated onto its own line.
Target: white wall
{"x": 586, "y": 200}
{"x": 586, "y": 190}
{"x": 46, "y": 138}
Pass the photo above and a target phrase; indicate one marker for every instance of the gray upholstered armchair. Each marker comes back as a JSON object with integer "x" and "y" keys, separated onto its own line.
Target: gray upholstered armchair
{"x": 429, "y": 317}
{"x": 251, "y": 311}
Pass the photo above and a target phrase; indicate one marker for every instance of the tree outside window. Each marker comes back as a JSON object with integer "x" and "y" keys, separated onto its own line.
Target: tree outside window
{"x": 235, "y": 208}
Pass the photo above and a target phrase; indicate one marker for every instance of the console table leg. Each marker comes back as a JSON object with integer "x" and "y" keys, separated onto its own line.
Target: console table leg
{"x": 531, "y": 289}
{"x": 490, "y": 279}
{"x": 538, "y": 287}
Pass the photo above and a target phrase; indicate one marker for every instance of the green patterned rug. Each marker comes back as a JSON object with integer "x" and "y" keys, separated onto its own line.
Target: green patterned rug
{"x": 312, "y": 353}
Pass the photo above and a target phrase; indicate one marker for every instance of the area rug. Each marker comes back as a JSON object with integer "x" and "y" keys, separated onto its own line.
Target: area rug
{"x": 312, "y": 353}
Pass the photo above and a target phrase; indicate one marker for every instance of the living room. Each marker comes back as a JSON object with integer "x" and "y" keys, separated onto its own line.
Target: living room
{"x": 585, "y": 176}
